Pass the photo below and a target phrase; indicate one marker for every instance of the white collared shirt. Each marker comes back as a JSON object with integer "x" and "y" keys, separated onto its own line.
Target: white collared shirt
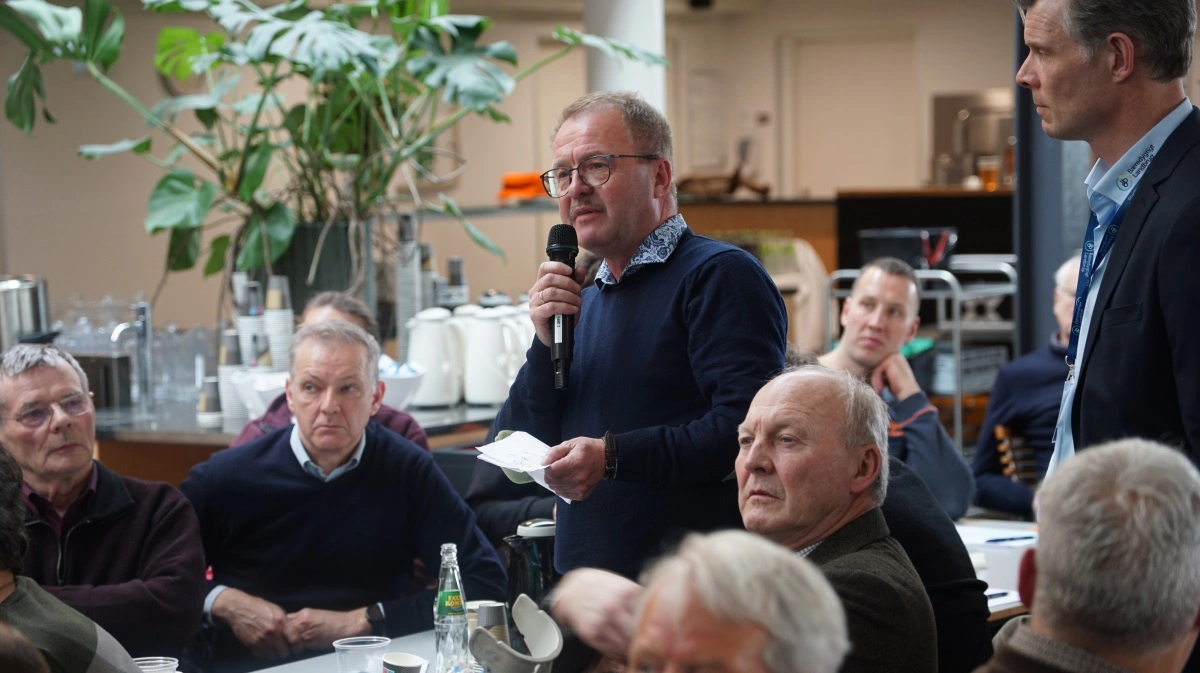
{"x": 1107, "y": 188}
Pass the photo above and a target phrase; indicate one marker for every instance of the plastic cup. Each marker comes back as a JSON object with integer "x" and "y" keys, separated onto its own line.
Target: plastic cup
{"x": 362, "y": 654}
{"x": 156, "y": 664}
{"x": 989, "y": 172}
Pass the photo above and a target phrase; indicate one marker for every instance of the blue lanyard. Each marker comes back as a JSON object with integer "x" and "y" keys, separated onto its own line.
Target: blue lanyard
{"x": 1089, "y": 261}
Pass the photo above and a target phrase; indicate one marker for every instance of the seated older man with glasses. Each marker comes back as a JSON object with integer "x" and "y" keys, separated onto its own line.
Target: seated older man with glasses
{"x": 124, "y": 552}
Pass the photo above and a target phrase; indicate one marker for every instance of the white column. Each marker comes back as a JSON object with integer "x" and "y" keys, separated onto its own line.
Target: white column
{"x": 639, "y": 23}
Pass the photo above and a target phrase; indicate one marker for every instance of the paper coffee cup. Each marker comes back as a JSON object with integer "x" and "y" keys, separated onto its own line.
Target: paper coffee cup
{"x": 402, "y": 662}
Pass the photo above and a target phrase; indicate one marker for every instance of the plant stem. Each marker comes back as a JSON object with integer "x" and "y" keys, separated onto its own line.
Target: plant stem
{"x": 149, "y": 116}
{"x": 438, "y": 129}
{"x": 253, "y": 131}
{"x": 544, "y": 62}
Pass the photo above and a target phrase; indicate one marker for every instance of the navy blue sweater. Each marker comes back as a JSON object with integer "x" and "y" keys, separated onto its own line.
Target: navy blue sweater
{"x": 276, "y": 532}
{"x": 668, "y": 360}
{"x": 1024, "y": 399}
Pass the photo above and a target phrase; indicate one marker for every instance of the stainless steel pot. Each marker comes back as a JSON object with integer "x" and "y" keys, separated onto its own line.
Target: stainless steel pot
{"x": 23, "y": 309}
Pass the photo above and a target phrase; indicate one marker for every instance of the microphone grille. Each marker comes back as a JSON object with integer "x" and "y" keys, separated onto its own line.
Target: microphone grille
{"x": 562, "y": 235}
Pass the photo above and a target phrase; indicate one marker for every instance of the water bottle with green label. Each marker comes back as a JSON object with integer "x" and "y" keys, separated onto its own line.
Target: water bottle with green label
{"x": 450, "y": 616}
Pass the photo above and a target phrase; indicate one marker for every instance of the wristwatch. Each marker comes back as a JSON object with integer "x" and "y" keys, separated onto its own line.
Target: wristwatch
{"x": 376, "y": 620}
{"x": 610, "y": 456}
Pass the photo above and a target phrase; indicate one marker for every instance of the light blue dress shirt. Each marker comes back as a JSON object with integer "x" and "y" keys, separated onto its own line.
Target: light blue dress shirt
{"x": 1107, "y": 188}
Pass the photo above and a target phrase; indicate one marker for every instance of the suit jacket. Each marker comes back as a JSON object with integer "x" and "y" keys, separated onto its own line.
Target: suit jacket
{"x": 1024, "y": 651}
{"x": 888, "y": 615}
{"x": 1140, "y": 371}
{"x": 917, "y": 521}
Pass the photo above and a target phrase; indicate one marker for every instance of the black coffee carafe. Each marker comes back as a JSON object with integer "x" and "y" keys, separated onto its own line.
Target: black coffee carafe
{"x": 531, "y": 560}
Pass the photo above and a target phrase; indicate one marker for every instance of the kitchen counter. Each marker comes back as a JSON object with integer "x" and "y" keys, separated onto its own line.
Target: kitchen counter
{"x": 165, "y": 444}
{"x": 176, "y": 424}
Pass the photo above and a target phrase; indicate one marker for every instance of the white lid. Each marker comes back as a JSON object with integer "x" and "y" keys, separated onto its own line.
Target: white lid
{"x": 536, "y": 528}
{"x": 435, "y": 313}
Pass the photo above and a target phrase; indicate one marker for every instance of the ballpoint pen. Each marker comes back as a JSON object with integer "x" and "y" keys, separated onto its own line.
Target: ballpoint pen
{"x": 996, "y": 540}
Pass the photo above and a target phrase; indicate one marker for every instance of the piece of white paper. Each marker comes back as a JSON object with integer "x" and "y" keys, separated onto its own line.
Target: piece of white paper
{"x": 519, "y": 452}
{"x": 997, "y": 536}
{"x": 1001, "y": 599}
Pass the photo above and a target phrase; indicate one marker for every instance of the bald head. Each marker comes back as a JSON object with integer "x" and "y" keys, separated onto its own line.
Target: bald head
{"x": 811, "y": 455}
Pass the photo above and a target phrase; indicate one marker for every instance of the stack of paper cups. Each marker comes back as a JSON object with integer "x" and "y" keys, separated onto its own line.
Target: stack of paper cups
{"x": 248, "y": 327}
{"x": 278, "y": 326}
{"x": 233, "y": 409}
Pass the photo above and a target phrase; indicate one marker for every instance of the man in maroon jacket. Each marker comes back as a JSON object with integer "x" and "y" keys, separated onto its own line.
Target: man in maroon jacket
{"x": 335, "y": 306}
{"x": 124, "y": 552}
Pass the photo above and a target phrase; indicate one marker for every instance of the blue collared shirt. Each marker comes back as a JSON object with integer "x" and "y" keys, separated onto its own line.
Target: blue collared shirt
{"x": 315, "y": 470}
{"x": 657, "y": 247}
{"x": 1107, "y": 188}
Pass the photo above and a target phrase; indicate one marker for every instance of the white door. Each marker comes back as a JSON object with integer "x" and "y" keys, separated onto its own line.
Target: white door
{"x": 855, "y": 114}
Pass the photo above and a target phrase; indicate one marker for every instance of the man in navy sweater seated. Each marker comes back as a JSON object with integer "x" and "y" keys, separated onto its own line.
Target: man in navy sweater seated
{"x": 881, "y": 315}
{"x": 1025, "y": 399}
{"x": 670, "y": 345}
{"x": 311, "y": 529}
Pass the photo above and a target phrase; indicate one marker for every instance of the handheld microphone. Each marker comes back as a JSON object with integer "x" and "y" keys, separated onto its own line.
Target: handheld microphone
{"x": 561, "y": 246}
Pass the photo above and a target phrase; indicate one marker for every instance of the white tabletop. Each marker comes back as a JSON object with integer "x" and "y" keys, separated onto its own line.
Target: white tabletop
{"x": 420, "y": 644}
{"x": 996, "y": 548}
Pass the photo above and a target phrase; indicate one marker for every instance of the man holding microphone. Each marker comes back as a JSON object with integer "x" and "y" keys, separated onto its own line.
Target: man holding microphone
{"x": 670, "y": 345}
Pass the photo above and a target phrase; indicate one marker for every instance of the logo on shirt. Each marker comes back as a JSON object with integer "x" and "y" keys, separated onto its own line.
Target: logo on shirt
{"x": 1139, "y": 165}
{"x": 1124, "y": 182}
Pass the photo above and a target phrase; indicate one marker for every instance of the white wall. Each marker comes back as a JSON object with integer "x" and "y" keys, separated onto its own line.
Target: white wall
{"x": 961, "y": 45}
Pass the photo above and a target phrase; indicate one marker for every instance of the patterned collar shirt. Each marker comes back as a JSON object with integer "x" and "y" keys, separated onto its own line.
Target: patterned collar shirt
{"x": 657, "y": 247}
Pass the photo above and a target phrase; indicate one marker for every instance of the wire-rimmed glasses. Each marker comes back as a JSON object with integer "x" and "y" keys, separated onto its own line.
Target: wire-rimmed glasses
{"x": 594, "y": 171}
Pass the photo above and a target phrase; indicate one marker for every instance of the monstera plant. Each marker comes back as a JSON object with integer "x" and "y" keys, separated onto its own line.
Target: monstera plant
{"x": 374, "y": 84}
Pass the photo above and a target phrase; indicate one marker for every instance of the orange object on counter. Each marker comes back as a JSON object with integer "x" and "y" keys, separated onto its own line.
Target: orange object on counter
{"x": 521, "y": 186}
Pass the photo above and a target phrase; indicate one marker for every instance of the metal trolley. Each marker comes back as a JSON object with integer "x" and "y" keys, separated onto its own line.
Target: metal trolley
{"x": 950, "y": 293}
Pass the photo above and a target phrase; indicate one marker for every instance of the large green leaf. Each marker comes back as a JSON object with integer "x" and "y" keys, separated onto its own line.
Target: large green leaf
{"x": 178, "y": 49}
{"x": 174, "y": 6}
{"x": 60, "y": 26}
{"x": 179, "y": 202}
{"x": 257, "y": 161}
{"x": 216, "y": 255}
{"x": 450, "y": 207}
{"x": 464, "y": 72}
{"x": 107, "y": 49}
{"x": 279, "y": 225}
{"x": 183, "y": 249}
{"x": 24, "y": 90}
{"x": 319, "y": 44}
{"x": 95, "y": 15}
{"x": 13, "y": 23}
{"x": 138, "y": 146}
{"x": 609, "y": 46}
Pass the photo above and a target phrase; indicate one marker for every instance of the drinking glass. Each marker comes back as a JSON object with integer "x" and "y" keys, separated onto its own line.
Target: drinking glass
{"x": 361, "y": 655}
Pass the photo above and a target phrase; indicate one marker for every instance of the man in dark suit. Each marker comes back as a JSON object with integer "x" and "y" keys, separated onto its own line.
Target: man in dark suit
{"x": 811, "y": 473}
{"x": 1112, "y": 76}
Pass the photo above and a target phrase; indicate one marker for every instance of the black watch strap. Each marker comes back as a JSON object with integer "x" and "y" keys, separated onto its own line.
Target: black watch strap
{"x": 610, "y": 456}
{"x": 375, "y": 618}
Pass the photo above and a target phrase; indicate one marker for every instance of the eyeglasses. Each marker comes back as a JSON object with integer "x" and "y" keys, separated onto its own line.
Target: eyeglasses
{"x": 594, "y": 171}
{"x": 75, "y": 405}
